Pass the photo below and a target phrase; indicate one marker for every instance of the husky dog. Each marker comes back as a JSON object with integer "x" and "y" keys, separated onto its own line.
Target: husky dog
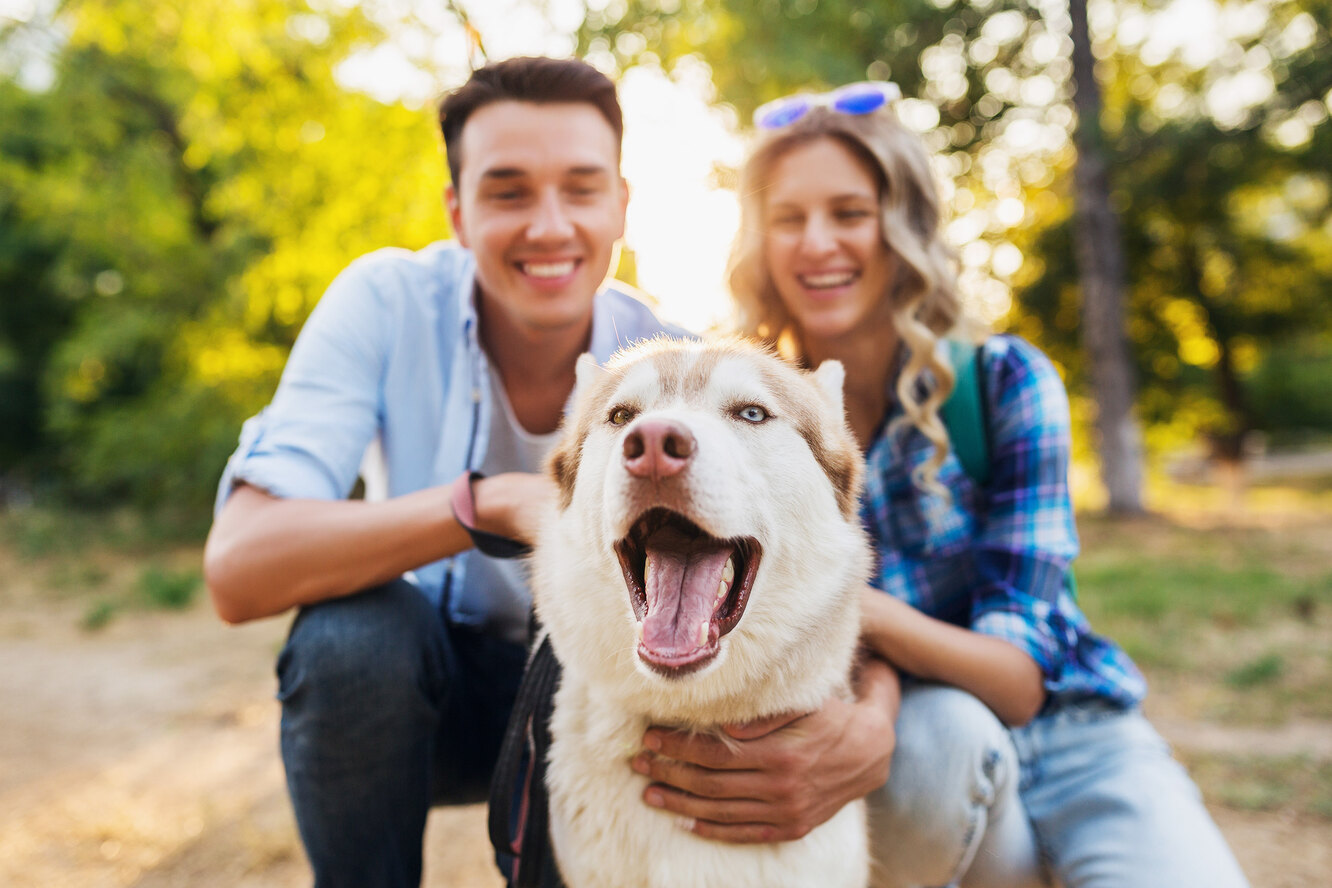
{"x": 703, "y": 567}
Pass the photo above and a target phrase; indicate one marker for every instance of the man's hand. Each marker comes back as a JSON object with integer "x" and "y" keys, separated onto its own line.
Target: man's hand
{"x": 511, "y": 504}
{"x": 776, "y": 779}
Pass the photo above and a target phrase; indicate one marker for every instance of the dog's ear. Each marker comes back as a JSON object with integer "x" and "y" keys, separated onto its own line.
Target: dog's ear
{"x": 830, "y": 376}
{"x": 587, "y": 371}
{"x": 562, "y": 466}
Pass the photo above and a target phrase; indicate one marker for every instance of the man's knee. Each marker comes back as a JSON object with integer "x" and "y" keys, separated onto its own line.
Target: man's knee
{"x": 374, "y": 648}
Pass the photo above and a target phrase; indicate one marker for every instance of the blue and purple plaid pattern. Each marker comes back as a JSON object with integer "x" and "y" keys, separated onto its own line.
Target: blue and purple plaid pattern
{"x": 996, "y": 560}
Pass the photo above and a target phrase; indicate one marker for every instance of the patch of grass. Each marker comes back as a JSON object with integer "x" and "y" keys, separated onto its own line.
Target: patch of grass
{"x": 1296, "y": 784}
{"x": 1265, "y": 670}
{"x": 38, "y": 532}
{"x": 1235, "y": 619}
{"x": 168, "y": 590}
{"x": 72, "y": 576}
{"x": 98, "y": 615}
{"x": 1150, "y": 590}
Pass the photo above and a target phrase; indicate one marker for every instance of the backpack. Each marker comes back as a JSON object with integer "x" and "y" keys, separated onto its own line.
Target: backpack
{"x": 966, "y": 416}
{"x": 518, "y": 802}
{"x": 966, "y": 413}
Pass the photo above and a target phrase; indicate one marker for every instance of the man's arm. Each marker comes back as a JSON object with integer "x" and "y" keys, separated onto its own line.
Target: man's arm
{"x": 265, "y": 554}
{"x": 777, "y": 779}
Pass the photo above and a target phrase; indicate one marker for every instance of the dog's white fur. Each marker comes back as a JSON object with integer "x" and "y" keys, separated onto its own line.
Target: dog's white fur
{"x": 790, "y": 482}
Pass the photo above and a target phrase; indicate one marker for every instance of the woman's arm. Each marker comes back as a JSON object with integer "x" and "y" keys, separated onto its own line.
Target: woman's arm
{"x": 999, "y": 674}
{"x": 266, "y": 554}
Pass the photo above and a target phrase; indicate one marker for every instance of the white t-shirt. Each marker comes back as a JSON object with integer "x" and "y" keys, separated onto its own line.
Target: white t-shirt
{"x": 512, "y": 449}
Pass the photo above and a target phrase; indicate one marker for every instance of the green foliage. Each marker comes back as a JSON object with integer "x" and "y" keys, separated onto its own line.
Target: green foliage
{"x": 167, "y": 589}
{"x": 1225, "y": 206}
{"x": 171, "y": 208}
{"x": 1227, "y": 222}
{"x": 1288, "y": 391}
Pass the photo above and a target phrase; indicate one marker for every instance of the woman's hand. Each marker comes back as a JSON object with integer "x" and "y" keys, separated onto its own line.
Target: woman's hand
{"x": 778, "y": 778}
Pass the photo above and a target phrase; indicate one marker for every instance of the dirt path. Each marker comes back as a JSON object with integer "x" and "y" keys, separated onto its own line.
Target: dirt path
{"x": 145, "y": 755}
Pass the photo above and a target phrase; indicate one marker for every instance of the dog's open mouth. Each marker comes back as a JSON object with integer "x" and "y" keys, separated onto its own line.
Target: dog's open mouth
{"x": 687, "y": 587}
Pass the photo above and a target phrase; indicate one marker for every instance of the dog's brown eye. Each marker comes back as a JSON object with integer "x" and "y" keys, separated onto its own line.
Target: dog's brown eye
{"x": 752, "y": 413}
{"x": 621, "y": 415}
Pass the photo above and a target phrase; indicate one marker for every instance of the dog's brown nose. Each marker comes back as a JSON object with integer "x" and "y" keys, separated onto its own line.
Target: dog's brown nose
{"x": 657, "y": 448}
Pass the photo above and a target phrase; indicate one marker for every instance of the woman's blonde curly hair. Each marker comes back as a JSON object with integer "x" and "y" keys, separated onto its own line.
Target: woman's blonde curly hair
{"x": 925, "y": 304}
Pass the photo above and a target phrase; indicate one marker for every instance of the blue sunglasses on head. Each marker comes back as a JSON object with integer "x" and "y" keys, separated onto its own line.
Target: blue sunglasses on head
{"x": 865, "y": 97}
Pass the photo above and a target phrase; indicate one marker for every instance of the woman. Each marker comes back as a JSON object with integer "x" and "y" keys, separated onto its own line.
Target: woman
{"x": 1018, "y": 752}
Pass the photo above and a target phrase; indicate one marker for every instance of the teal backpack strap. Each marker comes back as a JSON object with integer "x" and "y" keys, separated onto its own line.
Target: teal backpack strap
{"x": 963, "y": 414}
{"x": 967, "y": 419}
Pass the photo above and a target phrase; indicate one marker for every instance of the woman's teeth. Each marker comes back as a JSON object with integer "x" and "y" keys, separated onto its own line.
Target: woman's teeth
{"x": 828, "y": 279}
{"x": 549, "y": 269}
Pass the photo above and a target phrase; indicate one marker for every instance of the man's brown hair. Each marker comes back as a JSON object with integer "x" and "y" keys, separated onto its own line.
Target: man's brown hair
{"x": 528, "y": 79}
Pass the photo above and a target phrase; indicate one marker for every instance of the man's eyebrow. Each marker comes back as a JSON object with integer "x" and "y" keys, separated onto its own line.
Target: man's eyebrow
{"x": 504, "y": 173}
{"x": 507, "y": 173}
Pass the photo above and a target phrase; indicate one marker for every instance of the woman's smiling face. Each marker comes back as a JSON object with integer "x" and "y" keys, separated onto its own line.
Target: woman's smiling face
{"x": 823, "y": 242}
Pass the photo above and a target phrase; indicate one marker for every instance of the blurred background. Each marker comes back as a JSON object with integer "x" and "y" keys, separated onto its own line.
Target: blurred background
{"x": 1141, "y": 187}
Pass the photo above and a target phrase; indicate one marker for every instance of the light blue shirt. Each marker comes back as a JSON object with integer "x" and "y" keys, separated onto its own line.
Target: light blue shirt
{"x": 392, "y": 351}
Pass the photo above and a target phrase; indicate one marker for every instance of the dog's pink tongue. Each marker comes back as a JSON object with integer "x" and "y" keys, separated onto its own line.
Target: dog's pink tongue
{"x": 682, "y": 578}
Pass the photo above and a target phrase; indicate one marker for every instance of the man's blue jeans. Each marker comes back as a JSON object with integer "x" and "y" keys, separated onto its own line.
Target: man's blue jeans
{"x": 386, "y": 710}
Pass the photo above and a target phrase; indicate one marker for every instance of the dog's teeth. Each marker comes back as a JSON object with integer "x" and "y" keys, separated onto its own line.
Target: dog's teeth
{"x": 728, "y": 572}
{"x": 703, "y": 633}
{"x": 722, "y": 589}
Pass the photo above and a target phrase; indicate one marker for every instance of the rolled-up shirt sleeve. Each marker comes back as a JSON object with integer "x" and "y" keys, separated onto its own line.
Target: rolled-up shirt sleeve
{"x": 1028, "y": 537}
{"x": 309, "y": 442}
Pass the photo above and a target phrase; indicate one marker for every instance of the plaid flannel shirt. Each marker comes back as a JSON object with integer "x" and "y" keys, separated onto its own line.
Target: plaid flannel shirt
{"x": 996, "y": 559}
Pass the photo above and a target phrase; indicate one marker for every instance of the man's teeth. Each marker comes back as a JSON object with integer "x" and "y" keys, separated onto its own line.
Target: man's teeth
{"x": 549, "y": 269}
{"x": 828, "y": 279}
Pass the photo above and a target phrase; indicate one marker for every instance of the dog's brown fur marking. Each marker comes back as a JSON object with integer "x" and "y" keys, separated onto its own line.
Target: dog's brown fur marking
{"x": 685, "y": 372}
{"x": 838, "y": 458}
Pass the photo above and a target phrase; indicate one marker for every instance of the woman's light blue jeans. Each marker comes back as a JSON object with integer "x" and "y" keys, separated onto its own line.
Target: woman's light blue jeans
{"x": 1088, "y": 796}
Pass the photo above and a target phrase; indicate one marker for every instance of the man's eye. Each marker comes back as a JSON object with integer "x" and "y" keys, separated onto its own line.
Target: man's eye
{"x": 752, "y": 413}
{"x": 620, "y": 415}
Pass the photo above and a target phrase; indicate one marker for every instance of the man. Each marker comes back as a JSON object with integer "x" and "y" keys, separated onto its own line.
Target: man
{"x": 400, "y": 670}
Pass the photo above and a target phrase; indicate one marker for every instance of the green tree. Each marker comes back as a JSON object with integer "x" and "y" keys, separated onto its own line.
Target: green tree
{"x": 1228, "y": 227}
{"x": 195, "y": 177}
{"x": 984, "y": 70}
{"x": 1223, "y": 207}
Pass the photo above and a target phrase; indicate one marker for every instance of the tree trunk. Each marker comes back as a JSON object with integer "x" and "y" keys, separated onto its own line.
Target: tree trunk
{"x": 1100, "y": 259}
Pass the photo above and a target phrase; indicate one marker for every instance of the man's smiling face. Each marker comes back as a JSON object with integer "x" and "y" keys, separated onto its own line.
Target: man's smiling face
{"x": 540, "y": 202}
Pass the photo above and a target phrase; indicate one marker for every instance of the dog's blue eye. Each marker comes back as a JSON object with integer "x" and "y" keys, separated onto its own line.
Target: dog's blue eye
{"x": 753, "y": 413}
{"x": 620, "y": 415}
